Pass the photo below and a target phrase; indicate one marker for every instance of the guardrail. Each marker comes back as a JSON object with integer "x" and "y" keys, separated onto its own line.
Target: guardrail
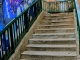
{"x": 58, "y": 6}
{"x": 12, "y": 34}
{"x": 77, "y": 18}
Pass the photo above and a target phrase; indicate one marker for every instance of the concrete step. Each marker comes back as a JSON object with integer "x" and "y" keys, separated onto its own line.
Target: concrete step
{"x": 47, "y": 18}
{"x": 47, "y": 58}
{"x": 57, "y": 29}
{"x": 49, "y": 54}
{"x": 53, "y": 35}
{"x": 61, "y": 14}
{"x": 71, "y": 30}
{"x": 51, "y": 47}
{"x": 51, "y": 16}
{"x": 56, "y": 20}
{"x": 56, "y": 23}
{"x": 53, "y": 41}
{"x": 54, "y": 26}
{"x": 58, "y": 17}
{"x": 24, "y": 59}
{"x": 62, "y": 39}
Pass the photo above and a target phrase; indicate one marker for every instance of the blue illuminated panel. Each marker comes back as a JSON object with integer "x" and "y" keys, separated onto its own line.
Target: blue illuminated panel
{"x": 13, "y": 8}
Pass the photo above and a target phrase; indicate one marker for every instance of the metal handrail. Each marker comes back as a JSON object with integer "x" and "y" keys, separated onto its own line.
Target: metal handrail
{"x": 15, "y": 30}
{"x": 78, "y": 27}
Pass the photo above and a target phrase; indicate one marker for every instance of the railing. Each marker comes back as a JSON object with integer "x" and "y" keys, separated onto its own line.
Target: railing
{"x": 58, "y": 6}
{"x": 12, "y": 34}
{"x": 78, "y": 25}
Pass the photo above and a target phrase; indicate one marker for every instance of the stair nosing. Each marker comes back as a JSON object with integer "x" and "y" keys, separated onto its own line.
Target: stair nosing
{"x": 56, "y": 18}
{"x": 52, "y": 46}
{"x": 58, "y": 29}
{"x": 59, "y": 16}
{"x": 53, "y": 21}
{"x": 23, "y": 59}
{"x": 53, "y": 33}
{"x": 50, "y": 53}
{"x": 57, "y": 25}
{"x": 54, "y": 39}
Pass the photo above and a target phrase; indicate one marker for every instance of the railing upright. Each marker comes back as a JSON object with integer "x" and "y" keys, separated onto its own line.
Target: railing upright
{"x": 57, "y": 6}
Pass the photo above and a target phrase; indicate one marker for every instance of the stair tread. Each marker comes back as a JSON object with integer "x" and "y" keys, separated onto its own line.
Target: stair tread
{"x": 24, "y": 59}
{"x": 60, "y": 39}
{"x": 57, "y": 25}
{"x": 58, "y": 18}
{"x": 61, "y": 16}
{"x": 53, "y": 21}
{"x": 50, "y": 53}
{"x": 52, "y": 46}
{"x": 58, "y": 14}
{"x": 53, "y": 33}
{"x": 57, "y": 29}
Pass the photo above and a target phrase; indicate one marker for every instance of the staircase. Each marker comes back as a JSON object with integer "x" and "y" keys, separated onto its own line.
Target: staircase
{"x": 54, "y": 39}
